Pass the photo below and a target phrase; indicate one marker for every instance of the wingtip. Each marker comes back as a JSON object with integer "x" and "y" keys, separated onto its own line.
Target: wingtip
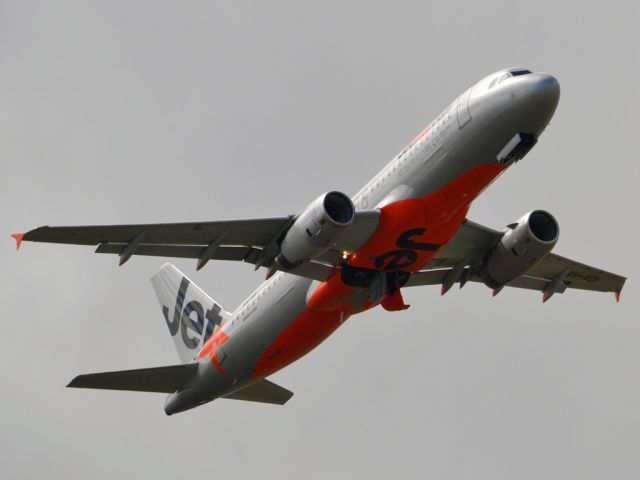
{"x": 617, "y": 295}
{"x": 18, "y": 237}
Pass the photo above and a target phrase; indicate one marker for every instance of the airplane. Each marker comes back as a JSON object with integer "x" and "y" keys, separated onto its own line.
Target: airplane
{"x": 343, "y": 255}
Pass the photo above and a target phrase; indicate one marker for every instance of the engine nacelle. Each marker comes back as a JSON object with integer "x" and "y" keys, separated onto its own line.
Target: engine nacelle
{"x": 523, "y": 246}
{"x": 316, "y": 229}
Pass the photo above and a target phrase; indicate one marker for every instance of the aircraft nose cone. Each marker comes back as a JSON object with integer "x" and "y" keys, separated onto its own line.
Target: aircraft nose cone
{"x": 546, "y": 90}
{"x": 539, "y": 94}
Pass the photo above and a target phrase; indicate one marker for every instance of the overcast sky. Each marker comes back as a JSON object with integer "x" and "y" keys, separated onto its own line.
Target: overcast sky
{"x": 120, "y": 112}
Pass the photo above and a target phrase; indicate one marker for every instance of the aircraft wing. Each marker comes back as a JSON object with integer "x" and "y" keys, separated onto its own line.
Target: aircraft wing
{"x": 238, "y": 232}
{"x": 253, "y": 241}
{"x": 554, "y": 274}
{"x": 262, "y": 391}
{"x": 172, "y": 378}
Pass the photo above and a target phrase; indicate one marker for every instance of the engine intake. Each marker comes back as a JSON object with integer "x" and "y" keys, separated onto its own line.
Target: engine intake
{"x": 316, "y": 229}
{"x": 522, "y": 247}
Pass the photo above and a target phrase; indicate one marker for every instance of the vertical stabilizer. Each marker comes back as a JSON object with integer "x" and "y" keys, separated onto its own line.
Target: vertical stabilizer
{"x": 191, "y": 315}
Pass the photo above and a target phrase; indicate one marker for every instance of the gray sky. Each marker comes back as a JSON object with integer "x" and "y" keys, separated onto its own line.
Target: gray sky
{"x": 119, "y": 112}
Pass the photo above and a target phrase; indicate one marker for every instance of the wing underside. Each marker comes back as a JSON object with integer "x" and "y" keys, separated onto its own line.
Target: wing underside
{"x": 262, "y": 391}
{"x": 554, "y": 274}
{"x": 159, "y": 379}
{"x": 251, "y": 241}
{"x": 172, "y": 378}
{"x": 256, "y": 242}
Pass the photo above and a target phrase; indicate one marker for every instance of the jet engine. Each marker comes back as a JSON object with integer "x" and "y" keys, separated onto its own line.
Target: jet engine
{"x": 316, "y": 229}
{"x": 524, "y": 245}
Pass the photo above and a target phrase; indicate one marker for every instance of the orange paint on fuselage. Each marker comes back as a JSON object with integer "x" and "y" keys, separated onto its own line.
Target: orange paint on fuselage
{"x": 210, "y": 349}
{"x": 433, "y": 218}
{"x": 305, "y": 333}
{"x": 422, "y": 133}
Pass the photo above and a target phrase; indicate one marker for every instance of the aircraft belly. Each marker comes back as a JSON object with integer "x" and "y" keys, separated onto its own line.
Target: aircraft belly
{"x": 411, "y": 231}
{"x": 409, "y": 234}
{"x": 305, "y": 332}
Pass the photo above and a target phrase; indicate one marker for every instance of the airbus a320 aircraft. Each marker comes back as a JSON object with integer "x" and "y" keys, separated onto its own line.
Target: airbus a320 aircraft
{"x": 340, "y": 256}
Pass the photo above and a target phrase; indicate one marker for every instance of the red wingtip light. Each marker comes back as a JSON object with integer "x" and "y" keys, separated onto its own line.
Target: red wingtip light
{"x": 18, "y": 237}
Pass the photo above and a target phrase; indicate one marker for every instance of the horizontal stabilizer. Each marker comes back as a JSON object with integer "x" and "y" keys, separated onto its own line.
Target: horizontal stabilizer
{"x": 159, "y": 379}
{"x": 262, "y": 391}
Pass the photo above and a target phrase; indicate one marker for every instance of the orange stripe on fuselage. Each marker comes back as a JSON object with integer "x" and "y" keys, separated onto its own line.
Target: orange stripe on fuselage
{"x": 210, "y": 349}
{"x": 306, "y": 332}
{"x": 440, "y": 214}
{"x": 420, "y": 135}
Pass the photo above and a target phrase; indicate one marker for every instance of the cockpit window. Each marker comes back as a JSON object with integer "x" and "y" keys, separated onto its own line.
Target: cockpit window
{"x": 499, "y": 79}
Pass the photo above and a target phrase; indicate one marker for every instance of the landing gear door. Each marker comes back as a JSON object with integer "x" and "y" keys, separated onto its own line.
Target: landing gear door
{"x": 464, "y": 115}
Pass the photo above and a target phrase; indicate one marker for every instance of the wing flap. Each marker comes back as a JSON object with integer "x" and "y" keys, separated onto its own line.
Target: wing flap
{"x": 532, "y": 283}
{"x": 436, "y": 277}
{"x": 313, "y": 270}
{"x": 427, "y": 277}
{"x": 262, "y": 391}
{"x": 160, "y": 379}
{"x": 181, "y": 251}
{"x": 614, "y": 283}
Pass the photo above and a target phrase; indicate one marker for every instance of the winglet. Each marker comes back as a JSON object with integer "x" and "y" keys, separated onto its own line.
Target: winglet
{"x": 496, "y": 291}
{"x": 546, "y": 295}
{"x": 18, "y": 237}
{"x": 617, "y": 294}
